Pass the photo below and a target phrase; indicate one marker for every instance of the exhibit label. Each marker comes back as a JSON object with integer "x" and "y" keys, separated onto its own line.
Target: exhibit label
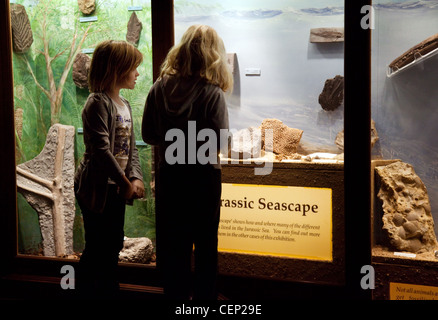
{"x": 406, "y": 291}
{"x": 273, "y": 220}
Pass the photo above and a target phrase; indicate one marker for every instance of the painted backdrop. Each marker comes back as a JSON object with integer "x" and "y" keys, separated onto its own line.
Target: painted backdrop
{"x": 57, "y": 23}
{"x": 273, "y": 37}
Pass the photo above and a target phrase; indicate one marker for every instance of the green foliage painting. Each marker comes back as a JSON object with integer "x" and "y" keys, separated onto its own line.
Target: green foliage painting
{"x": 45, "y": 94}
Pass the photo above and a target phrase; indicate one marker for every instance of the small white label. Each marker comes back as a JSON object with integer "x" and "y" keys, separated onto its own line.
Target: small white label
{"x": 135, "y": 8}
{"x": 405, "y": 254}
{"x": 88, "y": 50}
{"x": 88, "y": 19}
{"x": 253, "y": 71}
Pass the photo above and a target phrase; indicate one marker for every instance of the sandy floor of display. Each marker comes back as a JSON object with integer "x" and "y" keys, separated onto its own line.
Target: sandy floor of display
{"x": 317, "y": 157}
{"x": 384, "y": 252}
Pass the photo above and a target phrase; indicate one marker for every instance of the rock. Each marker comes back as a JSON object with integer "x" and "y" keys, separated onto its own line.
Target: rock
{"x": 22, "y": 36}
{"x": 136, "y": 250}
{"x": 285, "y": 140}
{"x": 339, "y": 140}
{"x": 46, "y": 182}
{"x": 81, "y": 67}
{"x": 247, "y": 143}
{"x": 374, "y": 134}
{"x": 87, "y": 6}
{"x": 332, "y": 94}
{"x": 407, "y": 220}
{"x": 134, "y": 29}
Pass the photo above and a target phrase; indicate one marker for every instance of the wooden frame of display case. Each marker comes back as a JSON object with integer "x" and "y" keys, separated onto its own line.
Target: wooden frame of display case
{"x": 20, "y": 273}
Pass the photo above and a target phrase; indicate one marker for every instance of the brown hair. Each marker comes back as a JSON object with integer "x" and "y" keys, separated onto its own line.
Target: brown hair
{"x": 112, "y": 61}
{"x": 201, "y": 52}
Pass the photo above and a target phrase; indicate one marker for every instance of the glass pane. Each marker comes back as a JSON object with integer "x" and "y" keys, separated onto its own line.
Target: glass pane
{"x": 287, "y": 58}
{"x": 278, "y": 72}
{"x": 404, "y": 95}
{"x": 49, "y": 89}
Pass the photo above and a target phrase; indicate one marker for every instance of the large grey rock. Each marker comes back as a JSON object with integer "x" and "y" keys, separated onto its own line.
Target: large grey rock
{"x": 22, "y": 36}
{"x": 134, "y": 29}
{"x": 46, "y": 182}
{"x": 407, "y": 220}
{"x": 81, "y": 67}
{"x": 136, "y": 250}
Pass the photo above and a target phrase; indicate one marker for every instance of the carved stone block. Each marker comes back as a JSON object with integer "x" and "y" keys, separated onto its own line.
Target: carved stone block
{"x": 134, "y": 29}
{"x": 81, "y": 67}
{"x": 407, "y": 220}
{"x": 46, "y": 182}
{"x": 22, "y": 36}
{"x": 332, "y": 94}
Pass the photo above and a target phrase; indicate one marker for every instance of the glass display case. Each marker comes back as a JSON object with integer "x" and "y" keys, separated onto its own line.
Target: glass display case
{"x": 53, "y": 43}
{"x": 288, "y": 215}
{"x": 404, "y": 69}
{"x": 287, "y": 59}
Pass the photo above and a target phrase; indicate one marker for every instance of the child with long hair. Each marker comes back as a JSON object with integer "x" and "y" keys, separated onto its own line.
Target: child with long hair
{"x": 189, "y": 97}
{"x": 109, "y": 175}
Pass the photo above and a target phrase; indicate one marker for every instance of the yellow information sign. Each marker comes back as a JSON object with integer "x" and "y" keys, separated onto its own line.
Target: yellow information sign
{"x": 406, "y": 291}
{"x": 277, "y": 221}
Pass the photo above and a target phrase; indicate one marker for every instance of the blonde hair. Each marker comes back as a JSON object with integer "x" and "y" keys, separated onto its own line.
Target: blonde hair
{"x": 112, "y": 61}
{"x": 201, "y": 52}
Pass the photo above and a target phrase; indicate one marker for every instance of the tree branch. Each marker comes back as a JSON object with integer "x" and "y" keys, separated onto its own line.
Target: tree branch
{"x": 70, "y": 61}
{"x": 46, "y": 92}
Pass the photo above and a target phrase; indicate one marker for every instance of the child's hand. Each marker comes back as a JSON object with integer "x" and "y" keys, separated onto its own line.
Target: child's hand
{"x": 138, "y": 187}
{"x": 126, "y": 191}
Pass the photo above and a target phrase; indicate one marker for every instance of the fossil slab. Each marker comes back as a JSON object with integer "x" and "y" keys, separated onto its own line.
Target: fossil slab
{"x": 87, "y": 6}
{"x": 134, "y": 29}
{"x": 22, "y": 36}
{"x": 327, "y": 35}
{"x": 46, "y": 182}
{"x": 285, "y": 140}
{"x": 332, "y": 94}
{"x": 81, "y": 67}
{"x": 407, "y": 219}
{"x": 415, "y": 52}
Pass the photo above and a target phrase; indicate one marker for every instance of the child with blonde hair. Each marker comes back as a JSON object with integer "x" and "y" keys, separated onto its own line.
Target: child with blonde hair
{"x": 188, "y": 96}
